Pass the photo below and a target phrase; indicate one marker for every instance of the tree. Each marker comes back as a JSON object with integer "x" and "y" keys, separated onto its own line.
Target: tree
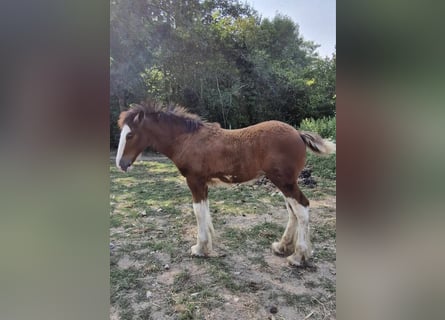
{"x": 219, "y": 59}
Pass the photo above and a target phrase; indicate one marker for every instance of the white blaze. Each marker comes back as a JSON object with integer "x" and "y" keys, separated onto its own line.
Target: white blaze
{"x": 120, "y": 150}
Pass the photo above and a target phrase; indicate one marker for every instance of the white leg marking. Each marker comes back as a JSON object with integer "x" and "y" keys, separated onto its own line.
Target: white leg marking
{"x": 123, "y": 138}
{"x": 303, "y": 225}
{"x": 205, "y": 229}
{"x": 289, "y": 238}
{"x": 303, "y": 245}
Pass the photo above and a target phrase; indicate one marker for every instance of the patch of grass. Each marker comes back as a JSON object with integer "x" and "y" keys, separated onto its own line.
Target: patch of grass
{"x": 123, "y": 280}
{"x": 259, "y": 259}
{"x": 190, "y": 294}
{"x": 158, "y": 245}
{"x": 297, "y": 299}
{"x": 255, "y": 238}
{"x": 169, "y": 246}
{"x": 322, "y": 166}
{"x": 126, "y": 310}
{"x": 114, "y": 258}
{"x": 151, "y": 268}
{"x": 265, "y": 233}
{"x": 328, "y": 284}
{"x": 243, "y": 199}
{"x": 235, "y": 238}
{"x": 311, "y": 284}
{"x": 172, "y": 209}
{"x": 221, "y": 272}
{"x": 158, "y": 191}
{"x": 305, "y": 302}
{"x": 189, "y": 313}
{"x": 209, "y": 298}
{"x": 324, "y": 188}
{"x": 116, "y": 220}
{"x": 150, "y": 186}
{"x": 144, "y": 314}
{"x": 325, "y": 254}
{"x": 182, "y": 280}
{"x": 323, "y": 232}
{"x": 323, "y": 235}
{"x": 273, "y": 296}
{"x": 128, "y": 248}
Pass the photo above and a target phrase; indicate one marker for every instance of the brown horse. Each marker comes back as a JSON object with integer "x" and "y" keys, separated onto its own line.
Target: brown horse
{"x": 205, "y": 153}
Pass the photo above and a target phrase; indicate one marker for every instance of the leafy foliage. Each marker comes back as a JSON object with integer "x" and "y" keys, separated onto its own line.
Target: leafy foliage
{"x": 324, "y": 167}
{"x": 326, "y": 127}
{"x": 219, "y": 59}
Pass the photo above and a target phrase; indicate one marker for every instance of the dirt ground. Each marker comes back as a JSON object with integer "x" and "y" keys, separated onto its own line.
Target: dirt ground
{"x": 153, "y": 276}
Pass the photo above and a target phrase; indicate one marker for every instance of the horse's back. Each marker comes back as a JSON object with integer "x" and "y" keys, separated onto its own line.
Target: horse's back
{"x": 267, "y": 146}
{"x": 269, "y": 136}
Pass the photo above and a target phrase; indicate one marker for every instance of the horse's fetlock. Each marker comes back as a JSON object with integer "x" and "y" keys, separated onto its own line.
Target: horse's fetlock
{"x": 301, "y": 247}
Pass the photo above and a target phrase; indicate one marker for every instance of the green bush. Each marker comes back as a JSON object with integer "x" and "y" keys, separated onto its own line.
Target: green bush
{"x": 322, "y": 166}
{"x": 325, "y": 127}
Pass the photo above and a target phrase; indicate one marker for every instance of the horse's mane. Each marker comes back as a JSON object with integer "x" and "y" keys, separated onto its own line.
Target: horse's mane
{"x": 171, "y": 114}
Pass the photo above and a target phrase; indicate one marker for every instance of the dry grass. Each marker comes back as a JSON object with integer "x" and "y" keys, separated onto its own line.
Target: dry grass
{"x": 153, "y": 275}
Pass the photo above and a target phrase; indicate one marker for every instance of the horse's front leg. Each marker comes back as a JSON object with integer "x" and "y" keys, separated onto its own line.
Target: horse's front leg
{"x": 203, "y": 246}
{"x": 205, "y": 232}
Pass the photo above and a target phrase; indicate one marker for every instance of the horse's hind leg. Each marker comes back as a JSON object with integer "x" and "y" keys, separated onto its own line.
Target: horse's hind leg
{"x": 303, "y": 250}
{"x": 286, "y": 245}
{"x": 199, "y": 190}
{"x": 296, "y": 238}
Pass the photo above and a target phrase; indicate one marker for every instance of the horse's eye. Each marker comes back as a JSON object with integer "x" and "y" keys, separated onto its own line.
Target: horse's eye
{"x": 129, "y": 136}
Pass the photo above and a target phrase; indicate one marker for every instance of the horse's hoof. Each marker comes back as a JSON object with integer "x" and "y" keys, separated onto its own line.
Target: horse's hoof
{"x": 294, "y": 260}
{"x": 196, "y": 251}
{"x": 277, "y": 248}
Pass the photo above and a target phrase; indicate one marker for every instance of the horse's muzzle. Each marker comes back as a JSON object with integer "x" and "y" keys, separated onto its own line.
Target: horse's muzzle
{"x": 124, "y": 164}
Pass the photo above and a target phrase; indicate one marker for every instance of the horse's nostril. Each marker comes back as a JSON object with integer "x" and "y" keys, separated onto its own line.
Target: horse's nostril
{"x": 124, "y": 165}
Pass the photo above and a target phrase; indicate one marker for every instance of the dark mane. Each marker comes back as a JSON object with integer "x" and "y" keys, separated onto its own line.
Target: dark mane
{"x": 171, "y": 114}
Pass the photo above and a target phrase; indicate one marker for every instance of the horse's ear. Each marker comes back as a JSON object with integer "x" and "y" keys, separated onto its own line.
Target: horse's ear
{"x": 139, "y": 117}
{"x": 122, "y": 116}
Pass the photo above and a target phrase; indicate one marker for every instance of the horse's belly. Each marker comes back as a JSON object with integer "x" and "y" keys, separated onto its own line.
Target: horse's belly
{"x": 237, "y": 178}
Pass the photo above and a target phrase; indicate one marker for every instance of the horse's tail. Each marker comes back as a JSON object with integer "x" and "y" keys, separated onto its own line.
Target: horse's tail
{"x": 317, "y": 144}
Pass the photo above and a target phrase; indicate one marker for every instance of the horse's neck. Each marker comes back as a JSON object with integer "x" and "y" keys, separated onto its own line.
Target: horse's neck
{"x": 163, "y": 137}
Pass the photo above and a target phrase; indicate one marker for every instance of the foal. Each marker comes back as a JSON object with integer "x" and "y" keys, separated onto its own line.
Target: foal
{"x": 204, "y": 153}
